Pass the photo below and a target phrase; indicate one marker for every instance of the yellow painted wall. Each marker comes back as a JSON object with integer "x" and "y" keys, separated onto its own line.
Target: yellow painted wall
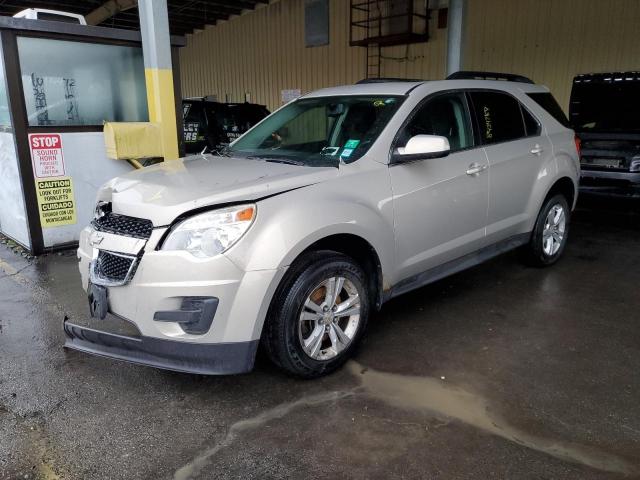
{"x": 551, "y": 41}
{"x": 262, "y": 52}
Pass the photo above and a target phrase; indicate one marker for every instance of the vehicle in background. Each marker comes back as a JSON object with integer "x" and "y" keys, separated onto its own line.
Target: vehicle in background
{"x": 51, "y": 15}
{"x": 605, "y": 113}
{"x": 339, "y": 201}
{"x": 212, "y": 125}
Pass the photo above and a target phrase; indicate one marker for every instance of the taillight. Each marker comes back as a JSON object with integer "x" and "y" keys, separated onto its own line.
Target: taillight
{"x": 578, "y": 145}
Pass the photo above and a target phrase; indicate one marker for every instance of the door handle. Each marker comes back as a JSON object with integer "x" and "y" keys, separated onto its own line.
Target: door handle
{"x": 537, "y": 150}
{"x": 476, "y": 168}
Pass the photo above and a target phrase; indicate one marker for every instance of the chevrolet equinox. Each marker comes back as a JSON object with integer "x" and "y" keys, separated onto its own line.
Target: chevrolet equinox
{"x": 339, "y": 201}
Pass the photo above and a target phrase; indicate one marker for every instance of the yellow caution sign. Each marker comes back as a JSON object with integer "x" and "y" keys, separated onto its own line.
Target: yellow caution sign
{"x": 56, "y": 202}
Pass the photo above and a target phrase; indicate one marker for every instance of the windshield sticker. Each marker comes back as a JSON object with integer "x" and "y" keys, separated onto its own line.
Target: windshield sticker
{"x": 351, "y": 144}
{"x": 379, "y": 103}
{"x": 346, "y": 153}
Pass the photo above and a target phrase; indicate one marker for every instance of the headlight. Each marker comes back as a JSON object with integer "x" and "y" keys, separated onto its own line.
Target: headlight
{"x": 211, "y": 233}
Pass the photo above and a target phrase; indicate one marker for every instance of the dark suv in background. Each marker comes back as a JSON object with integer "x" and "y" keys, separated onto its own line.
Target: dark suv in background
{"x": 213, "y": 125}
{"x": 605, "y": 113}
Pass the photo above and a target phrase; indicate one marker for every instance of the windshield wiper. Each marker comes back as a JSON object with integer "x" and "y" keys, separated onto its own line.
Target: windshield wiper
{"x": 285, "y": 161}
{"x": 276, "y": 159}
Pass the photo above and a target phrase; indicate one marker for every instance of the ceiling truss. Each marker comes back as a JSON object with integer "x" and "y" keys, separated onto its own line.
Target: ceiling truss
{"x": 185, "y": 16}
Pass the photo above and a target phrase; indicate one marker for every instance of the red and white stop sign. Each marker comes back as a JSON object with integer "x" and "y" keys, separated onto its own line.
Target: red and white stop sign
{"x": 46, "y": 154}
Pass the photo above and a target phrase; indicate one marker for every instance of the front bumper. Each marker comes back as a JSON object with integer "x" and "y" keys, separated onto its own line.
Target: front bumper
{"x": 155, "y": 295}
{"x": 204, "y": 359}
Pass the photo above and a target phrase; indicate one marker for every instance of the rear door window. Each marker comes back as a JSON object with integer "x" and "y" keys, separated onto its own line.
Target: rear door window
{"x": 499, "y": 117}
{"x": 531, "y": 124}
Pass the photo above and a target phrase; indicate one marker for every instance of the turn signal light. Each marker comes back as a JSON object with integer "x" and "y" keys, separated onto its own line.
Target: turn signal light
{"x": 578, "y": 146}
{"x": 245, "y": 215}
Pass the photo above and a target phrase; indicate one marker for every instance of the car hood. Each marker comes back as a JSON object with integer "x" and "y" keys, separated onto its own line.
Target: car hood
{"x": 164, "y": 191}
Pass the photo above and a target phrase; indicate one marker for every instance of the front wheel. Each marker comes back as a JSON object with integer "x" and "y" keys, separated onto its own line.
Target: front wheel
{"x": 550, "y": 233}
{"x": 318, "y": 315}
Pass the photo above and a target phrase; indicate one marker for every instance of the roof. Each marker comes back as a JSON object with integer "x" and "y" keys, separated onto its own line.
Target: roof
{"x": 378, "y": 88}
{"x": 185, "y": 16}
{"x": 403, "y": 88}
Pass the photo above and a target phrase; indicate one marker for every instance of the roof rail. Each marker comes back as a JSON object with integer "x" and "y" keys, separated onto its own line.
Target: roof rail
{"x": 470, "y": 75}
{"x": 387, "y": 79}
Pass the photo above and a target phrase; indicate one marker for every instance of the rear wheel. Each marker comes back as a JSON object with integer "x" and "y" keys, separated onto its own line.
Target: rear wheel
{"x": 550, "y": 233}
{"x": 318, "y": 315}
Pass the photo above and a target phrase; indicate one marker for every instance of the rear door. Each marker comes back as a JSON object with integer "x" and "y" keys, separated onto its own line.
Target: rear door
{"x": 517, "y": 150}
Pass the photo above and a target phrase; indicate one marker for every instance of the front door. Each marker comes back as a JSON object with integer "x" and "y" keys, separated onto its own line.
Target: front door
{"x": 440, "y": 205}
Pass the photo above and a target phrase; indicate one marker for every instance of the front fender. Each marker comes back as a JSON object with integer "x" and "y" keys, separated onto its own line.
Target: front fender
{"x": 288, "y": 224}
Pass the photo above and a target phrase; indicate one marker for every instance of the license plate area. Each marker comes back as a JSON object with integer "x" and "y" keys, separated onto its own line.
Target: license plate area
{"x": 602, "y": 162}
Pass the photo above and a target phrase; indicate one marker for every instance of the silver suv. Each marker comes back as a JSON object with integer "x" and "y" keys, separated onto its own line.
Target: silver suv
{"x": 339, "y": 201}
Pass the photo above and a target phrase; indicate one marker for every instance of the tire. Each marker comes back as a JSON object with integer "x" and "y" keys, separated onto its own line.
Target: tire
{"x": 293, "y": 322}
{"x": 538, "y": 252}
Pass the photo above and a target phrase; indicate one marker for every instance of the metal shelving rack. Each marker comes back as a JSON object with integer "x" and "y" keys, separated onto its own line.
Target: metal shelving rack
{"x": 375, "y": 24}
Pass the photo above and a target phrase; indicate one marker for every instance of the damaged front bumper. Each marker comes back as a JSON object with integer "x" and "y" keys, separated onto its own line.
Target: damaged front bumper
{"x": 190, "y": 315}
{"x": 199, "y": 358}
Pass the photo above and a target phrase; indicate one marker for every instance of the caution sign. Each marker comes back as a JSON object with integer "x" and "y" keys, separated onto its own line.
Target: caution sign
{"x": 56, "y": 202}
{"x": 46, "y": 154}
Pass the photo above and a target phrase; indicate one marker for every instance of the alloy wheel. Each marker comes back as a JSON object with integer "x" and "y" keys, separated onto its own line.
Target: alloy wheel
{"x": 554, "y": 230}
{"x": 329, "y": 319}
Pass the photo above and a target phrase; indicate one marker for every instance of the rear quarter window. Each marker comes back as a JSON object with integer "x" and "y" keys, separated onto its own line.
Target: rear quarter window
{"x": 546, "y": 101}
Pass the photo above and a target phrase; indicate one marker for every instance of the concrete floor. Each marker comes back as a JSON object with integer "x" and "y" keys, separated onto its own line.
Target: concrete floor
{"x": 502, "y": 371}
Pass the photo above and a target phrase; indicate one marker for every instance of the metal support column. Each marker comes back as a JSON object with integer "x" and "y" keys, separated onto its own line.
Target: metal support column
{"x": 455, "y": 35}
{"x": 156, "y": 49}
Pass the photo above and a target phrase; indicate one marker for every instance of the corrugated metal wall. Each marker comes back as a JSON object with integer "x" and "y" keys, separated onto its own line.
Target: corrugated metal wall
{"x": 263, "y": 52}
{"x": 553, "y": 40}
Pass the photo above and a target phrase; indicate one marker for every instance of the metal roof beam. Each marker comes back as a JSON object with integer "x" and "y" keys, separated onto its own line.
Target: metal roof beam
{"x": 108, "y": 10}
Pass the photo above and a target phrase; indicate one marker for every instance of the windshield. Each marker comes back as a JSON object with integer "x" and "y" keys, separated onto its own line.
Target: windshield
{"x": 606, "y": 107}
{"x": 319, "y": 131}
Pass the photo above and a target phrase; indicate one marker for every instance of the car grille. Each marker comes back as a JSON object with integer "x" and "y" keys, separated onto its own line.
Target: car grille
{"x": 112, "y": 269}
{"x": 124, "y": 225}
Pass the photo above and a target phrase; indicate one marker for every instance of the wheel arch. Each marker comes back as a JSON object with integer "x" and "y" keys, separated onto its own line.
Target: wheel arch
{"x": 564, "y": 186}
{"x": 342, "y": 240}
{"x": 362, "y": 252}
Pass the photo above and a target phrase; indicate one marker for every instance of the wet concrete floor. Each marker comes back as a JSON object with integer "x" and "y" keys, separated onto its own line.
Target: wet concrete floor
{"x": 501, "y": 371}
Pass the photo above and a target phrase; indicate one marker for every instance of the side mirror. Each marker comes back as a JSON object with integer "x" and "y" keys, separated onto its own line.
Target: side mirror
{"x": 422, "y": 147}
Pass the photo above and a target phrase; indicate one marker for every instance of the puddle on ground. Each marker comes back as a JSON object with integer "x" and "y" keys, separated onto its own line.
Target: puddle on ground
{"x": 424, "y": 393}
